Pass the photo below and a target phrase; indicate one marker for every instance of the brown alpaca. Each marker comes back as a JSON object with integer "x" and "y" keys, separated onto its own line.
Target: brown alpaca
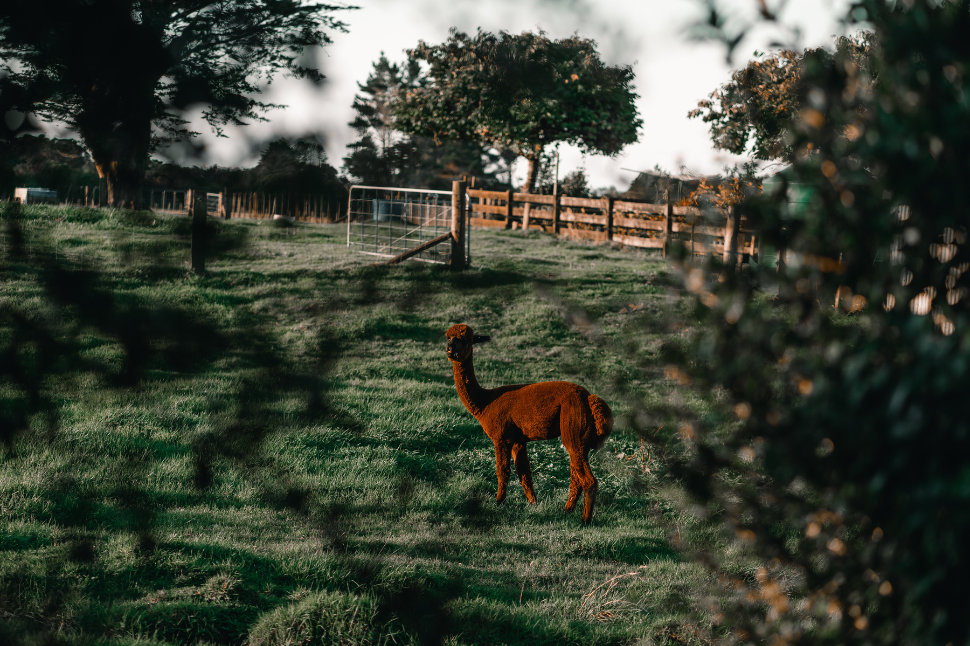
{"x": 514, "y": 415}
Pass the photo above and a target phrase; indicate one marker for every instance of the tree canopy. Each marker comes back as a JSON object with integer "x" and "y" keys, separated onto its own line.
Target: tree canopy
{"x": 752, "y": 113}
{"x": 521, "y": 93}
{"x": 121, "y": 72}
{"x": 372, "y": 156}
{"x": 383, "y": 155}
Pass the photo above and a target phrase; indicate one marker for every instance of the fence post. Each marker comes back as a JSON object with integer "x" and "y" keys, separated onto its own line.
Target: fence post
{"x": 556, "y": 207}
{"x": 199, "y": 217}
{"x": 668, "y": 227}
{"x": 189, "y": 201}
{"x": 87, "y": 197}
{"x": 609, "y": 217}
{"x": 693, "y": 225}
{"x": 458, "y": 225}
{"x": 508, "y": 213}
{"x": 731, "y": 230}
{"x": 526, "y": 216}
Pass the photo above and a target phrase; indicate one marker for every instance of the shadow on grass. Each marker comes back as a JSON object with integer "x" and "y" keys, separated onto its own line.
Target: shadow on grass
{"x": 273, "y": 392}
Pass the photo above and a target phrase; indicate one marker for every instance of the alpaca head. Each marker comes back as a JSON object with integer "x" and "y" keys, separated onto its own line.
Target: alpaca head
{"x": 460, "y": 341}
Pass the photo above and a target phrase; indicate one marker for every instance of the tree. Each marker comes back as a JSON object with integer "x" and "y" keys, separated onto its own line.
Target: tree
{"x": 297, "y": 167}
{"x": 575, "y": 184}
{"x": 285, "y": 166}
{"x": 520, "y": 93}
{"x": 383, "y": 155}
{"x": 835, "y": 449}
{"x": 371, "y": 157}
{"x": 119, "y": 72}
{"x": 753, "y": 112}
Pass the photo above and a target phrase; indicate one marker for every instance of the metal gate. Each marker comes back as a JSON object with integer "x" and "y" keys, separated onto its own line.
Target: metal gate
{"x": 388, "y": 222}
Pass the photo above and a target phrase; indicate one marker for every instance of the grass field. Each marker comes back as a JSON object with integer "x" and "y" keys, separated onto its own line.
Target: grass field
{"x": 287, "y": 459}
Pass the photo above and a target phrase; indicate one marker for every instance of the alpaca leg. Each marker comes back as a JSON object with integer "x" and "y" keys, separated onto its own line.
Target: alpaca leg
{"x": 572, "y": 422}
{"x": 524, "y": 470}
{"x": 574, "y": 491}
{"x": 575, "y": 488}
{"x": 589, "y": 489}
{"x": 502, "y": 450}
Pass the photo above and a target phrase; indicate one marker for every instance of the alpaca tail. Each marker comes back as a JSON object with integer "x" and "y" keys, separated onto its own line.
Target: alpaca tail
{"x": 603, "y": 417}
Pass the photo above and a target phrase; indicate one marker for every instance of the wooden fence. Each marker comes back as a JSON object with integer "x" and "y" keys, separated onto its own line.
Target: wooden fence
{"x": 234, "y": 204}
{"x": 634, "y": 223}
{"x": 263, "y": 206}
{"x": 628, "y": 222}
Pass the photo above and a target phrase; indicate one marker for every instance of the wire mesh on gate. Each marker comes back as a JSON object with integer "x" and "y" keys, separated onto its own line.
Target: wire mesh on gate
{"x": 386, "y": 222}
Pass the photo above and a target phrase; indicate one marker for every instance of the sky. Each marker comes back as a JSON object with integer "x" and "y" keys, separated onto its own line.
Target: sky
{"x": 673, "y": 71}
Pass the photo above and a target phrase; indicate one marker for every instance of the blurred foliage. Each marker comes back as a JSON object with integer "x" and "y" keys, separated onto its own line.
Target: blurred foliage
{"x": 124, "y": 90}
{"x": 69, "y": 326}
{"x": 520, "y": 93}
{"x": 835, "y": 452}
{"x": 754, "y": 110}
{"x": 383, "y": 155}
{"x": 733, "y": 188}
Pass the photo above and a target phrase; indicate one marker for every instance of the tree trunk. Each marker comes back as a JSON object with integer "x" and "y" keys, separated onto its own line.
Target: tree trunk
{"x": 533, "y": 174}
{"x": 123, "y": 183}
{"x": 121, "y": 157}
{"x": 115, "y": 122}
{"x": 530, "y": 181}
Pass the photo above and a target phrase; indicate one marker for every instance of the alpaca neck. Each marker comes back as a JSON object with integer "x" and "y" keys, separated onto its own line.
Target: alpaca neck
{"x": 474, "y": 397}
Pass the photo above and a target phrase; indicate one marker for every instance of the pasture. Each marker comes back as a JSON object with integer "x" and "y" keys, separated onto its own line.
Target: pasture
{"x": 288, "y": 458}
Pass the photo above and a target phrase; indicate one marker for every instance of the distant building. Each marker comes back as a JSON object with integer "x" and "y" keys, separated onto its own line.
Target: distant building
{"x": 34, "y": 196}
{"x": 661, "y": 188}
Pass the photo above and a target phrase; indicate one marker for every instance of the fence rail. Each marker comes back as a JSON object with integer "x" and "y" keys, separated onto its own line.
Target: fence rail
{"x": 628, "y": 222}
{"x": 253, "y": 205}
{"x": 263, "y": 206}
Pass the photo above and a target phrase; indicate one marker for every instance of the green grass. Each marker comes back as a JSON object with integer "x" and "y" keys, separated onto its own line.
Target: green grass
{"x": 298, "y": 458}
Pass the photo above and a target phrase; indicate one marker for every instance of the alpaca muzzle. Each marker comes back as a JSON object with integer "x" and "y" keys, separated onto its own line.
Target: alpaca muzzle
{"x": 452, "y": 349}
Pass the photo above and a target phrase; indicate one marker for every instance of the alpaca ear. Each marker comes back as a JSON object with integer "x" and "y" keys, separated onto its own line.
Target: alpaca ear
{"x": 481, "y": 338}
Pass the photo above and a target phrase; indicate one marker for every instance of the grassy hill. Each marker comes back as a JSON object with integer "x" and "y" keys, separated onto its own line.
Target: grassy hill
{"x": 275, "y": 450}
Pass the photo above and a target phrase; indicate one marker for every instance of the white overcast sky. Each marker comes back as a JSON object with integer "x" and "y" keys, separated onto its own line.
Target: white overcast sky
{"x": 672, "y": 71}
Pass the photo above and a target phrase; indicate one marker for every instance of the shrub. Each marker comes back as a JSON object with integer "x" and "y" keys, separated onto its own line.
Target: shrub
{"x": 835, "y": 449}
